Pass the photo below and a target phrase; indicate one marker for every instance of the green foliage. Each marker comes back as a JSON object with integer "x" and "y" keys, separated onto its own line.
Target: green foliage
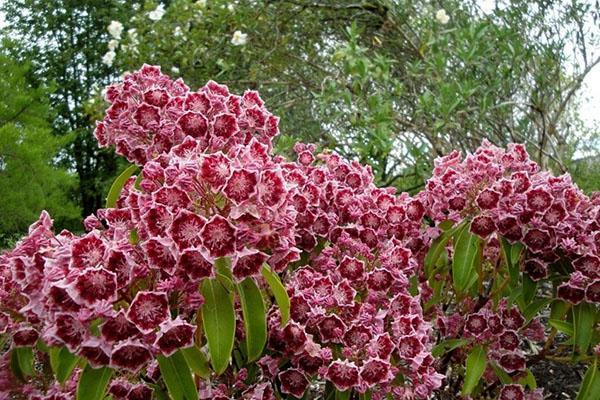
{"x": 29, "y": 179}
{"x": 178, "y": 377}
{"x": 218, "y": 319}
{"x": 385, "y": 82}
{"x": 65, "y": 41}
{"x": 475, "y": 366}
{"x": 255, "y": 319}
{"x": 93, "y": 382}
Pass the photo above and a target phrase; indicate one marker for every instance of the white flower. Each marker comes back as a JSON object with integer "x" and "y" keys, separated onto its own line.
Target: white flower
{"x": 133, "y": 36}
{"x": 230, "y": 7}
{"x": 115, "y": 29}
{"x": 239, "y": 38}
{"x": 113, "y": 44}
{"x": 158, "y": 13}
{"x": 174, "y": 70}
{"x": 201, "y": 3}
{"x": 177, "y": 32}
{"x": 108, "y": 58}
{"x": 442, "y": 17}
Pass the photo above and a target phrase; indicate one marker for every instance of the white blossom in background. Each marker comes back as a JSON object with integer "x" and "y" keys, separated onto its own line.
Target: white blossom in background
{"x": 201, "y": 3}
{"x": 442, "y": 17}
{"x": 133, "y": 36}
{"x": 177, "y": 32}
{"x": 109, "y": 58}
{"x": 133, "y": 40}
{"x": 115, "y": 29}
{"x": 230, "y": 7}
{"x": 239, "y": 38}
{"x": 157, "y": 13}
{"x": 174, "y": 70}
{"x": 113, "y": 44}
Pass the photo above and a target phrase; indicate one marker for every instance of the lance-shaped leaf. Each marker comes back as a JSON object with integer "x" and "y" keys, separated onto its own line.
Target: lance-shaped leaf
{"x": 93, "y": 382}
{"x": 197, "y": 361}
{"x": 281, "y": 297}
{"x": 584, "y": 318}
{"x": 117, "y": 186}
{"x": 511, "y": 254}
{"x": 62, "y": 362}
{"x": 255, "y": 319}
{"x": 178, "y": 377}
{"x": 475, "y": 366}
{"x": 218, "y": 318}
{"x": 590, "y": 385}
{"x": 438, "y": 246}
{"x": 21, "y": 362}
{"x": 447, "y": 345}
{"x": 467, "y": 253}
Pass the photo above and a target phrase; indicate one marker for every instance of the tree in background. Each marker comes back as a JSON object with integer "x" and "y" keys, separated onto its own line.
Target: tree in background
{"x": 65, "y": 41}
{"x": 392, "y": 83}
{"x": 29, "y": 180}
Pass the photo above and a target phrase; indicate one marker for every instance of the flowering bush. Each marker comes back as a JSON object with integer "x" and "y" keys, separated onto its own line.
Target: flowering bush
{"x": 224, "y": 271}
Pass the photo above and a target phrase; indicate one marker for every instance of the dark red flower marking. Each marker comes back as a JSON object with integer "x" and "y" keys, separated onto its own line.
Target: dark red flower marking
{"x": 148, "y": 310}
{"x": 218, "y": 236}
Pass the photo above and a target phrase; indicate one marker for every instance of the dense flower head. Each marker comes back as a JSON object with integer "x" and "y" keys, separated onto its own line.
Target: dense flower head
{"x": 211, "y": 194}
{"x": 354, "y": 322}
{"x": 504, "y": 193}
{"x": 150, "y": 113}
{"x": 209, "y": 189}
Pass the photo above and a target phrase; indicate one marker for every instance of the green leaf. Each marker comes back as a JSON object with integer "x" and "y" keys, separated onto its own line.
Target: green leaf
{"x": 467, "y": 250}
{"x": 279, "y": 292}
{"x": 590, "y": 385}
{"x": 438, "y": 246}
{"x": 584, "y": 318}
{"x": 218, "y": 317}
{"x": 529, "y": 290}
{"x": 62, "y": 362}
{"x": 21, "y": 362}
{"x": 93, "y": 382}
{"x": 117, "y": 186}
{"x": 558, "y": 309}
{"x": 177, "y": 377}
{"x": 533, "y": 308}
{"x": 501, "y": 374}
{"x": 475, "y": 366}
{"x": 562, "y": 326}
{"x": 345, "y": 395}
{"x": 447, "y": 345}
{"x": 255, "y": 319}
{"x": 197, "y": 361}
{"x": 511, "y": 254}
{"x": 528, "y": 380}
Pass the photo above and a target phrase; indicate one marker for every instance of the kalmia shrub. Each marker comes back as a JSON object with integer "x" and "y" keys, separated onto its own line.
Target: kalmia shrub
{"x": 219, "y": 270}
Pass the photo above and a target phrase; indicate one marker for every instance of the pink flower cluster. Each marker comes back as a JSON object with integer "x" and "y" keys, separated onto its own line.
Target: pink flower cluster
{"x": 210, "y": 189}
{"x": 150, "y": 113}
{"x": 354, "y": 321}
{"x": 351, "y": 254}
{"x": 502, "y": 330}
{"x": 504, "y": 193}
